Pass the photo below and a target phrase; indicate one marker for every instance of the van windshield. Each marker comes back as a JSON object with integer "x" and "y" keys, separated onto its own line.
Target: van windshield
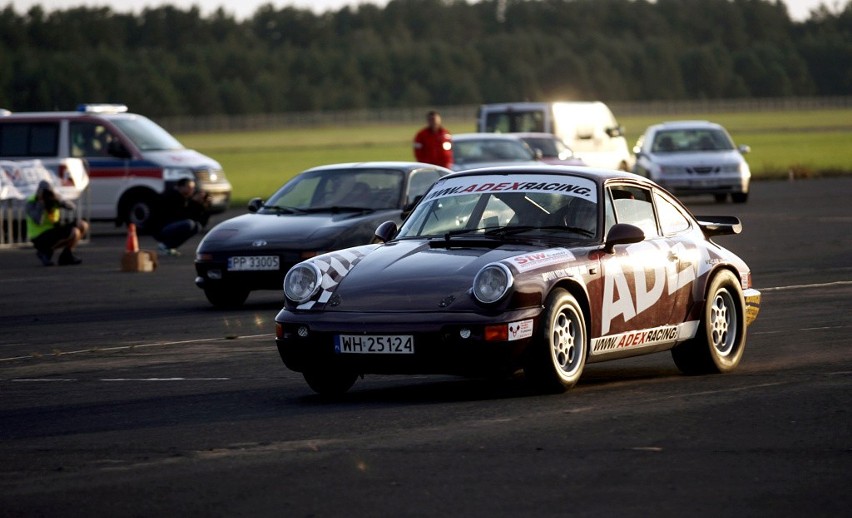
{"x": 515, "y": 121}
{"x": 146, "y": 134}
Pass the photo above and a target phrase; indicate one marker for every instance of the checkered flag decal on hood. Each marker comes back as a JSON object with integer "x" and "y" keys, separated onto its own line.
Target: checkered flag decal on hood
{"x": 334, "y": 266}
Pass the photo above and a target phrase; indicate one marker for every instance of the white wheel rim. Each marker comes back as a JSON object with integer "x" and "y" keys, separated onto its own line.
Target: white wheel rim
{"x": 723, "y": 323}
{"x": 566, "y": 343}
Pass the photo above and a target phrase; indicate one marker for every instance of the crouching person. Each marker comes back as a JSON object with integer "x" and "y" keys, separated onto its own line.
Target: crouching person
{"x": 46, "y": 230}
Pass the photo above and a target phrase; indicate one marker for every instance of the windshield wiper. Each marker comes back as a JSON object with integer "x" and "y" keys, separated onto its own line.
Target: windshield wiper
{"x": 283, "y": 210}
{"x": 517, "y": 229}
{"x": 485, "y": 232}
{"x": 339, "y": 208}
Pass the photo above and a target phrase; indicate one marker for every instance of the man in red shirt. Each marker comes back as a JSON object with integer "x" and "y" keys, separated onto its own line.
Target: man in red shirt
{"x": 434, "y": 144}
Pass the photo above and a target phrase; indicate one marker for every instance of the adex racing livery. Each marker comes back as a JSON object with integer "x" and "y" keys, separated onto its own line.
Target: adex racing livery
{"x": 539, "y": 268}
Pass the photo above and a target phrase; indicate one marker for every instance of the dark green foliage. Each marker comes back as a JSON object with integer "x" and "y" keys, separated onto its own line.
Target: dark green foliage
{"x": 168, "y": 61}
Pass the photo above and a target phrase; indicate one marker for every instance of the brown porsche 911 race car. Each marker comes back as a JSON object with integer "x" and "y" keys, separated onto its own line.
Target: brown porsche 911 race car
{"x": 539, "y": 268}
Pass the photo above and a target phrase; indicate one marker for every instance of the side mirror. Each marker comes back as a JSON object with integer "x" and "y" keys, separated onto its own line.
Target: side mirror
{"x": 622, "y": 234}
{"x": 386, "y": 231}
{"x": 255, "y": 205}
{"x": 743, "y": 149}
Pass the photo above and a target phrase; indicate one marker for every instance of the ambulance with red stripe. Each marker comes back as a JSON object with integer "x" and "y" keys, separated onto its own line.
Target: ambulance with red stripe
{"x": 130, "y": 158}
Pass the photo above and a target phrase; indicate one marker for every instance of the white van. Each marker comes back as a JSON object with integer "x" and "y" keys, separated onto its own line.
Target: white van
{"x": 130, "y": 159}
{"x": 588, "y": 128}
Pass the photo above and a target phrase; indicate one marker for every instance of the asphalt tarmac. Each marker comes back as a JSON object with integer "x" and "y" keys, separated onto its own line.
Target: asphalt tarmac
{"x": 128, "y": 394}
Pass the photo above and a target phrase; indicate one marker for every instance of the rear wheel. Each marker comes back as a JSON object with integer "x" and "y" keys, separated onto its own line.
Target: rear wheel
{"x": 225, "y": 296}
{"x": 555, "y": 363}
{"x": 329, "y": 381}
{"x": 720, "y": 197}
{"x": 720, "y": 341}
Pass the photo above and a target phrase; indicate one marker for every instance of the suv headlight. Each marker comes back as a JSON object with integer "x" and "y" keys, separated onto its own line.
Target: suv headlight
{"x": 302, "y": 282}
{"x": 492, "y": 283}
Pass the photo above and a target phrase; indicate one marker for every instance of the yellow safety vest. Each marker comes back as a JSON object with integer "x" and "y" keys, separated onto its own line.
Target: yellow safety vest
{"x": 49, "y": 219}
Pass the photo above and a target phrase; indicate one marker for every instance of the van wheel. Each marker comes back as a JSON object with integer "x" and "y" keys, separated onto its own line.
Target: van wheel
{"x": 739, "y": 197}
{"x": 138, "y": 208}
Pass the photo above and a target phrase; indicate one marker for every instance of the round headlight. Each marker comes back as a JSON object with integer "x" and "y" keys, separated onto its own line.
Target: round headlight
{"x": 492, "y": 283}
{"x": 302, "y": 282}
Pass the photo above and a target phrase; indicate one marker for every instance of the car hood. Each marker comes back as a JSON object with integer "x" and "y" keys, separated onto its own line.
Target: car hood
{"x": 270, "y": 232}
{"x": 187, "y": 158}
{"x": 697, "y": 158}
{"x": 406, "y": 276}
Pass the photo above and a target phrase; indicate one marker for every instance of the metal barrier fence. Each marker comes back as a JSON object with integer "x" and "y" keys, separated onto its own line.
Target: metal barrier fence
{"x": 13, "y": 223}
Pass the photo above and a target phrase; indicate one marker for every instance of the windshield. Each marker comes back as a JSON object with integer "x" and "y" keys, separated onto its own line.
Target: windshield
{"x": 490, "y": 150}
{"x": 691, "y": 140}
{"x": 488, "y": 205}
{"x": 146, "y": 134}
{"x": 328, "y": 189}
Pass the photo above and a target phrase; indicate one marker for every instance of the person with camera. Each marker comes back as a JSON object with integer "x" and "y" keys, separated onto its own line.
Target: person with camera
{"x": 181, "y": 213}
{"x": 46, "y": 230}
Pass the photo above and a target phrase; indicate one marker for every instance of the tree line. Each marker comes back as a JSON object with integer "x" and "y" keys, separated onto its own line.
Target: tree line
{"x": 169, "y": 61}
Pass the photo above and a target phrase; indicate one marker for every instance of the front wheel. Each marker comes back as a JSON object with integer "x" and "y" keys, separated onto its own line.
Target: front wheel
{"x": 555, "y": 363}
{"x": 739, "y": 197}
{"x": 720, "y": 341}
{"x": 329, "y": 381}
{"x": 138, "y": 207}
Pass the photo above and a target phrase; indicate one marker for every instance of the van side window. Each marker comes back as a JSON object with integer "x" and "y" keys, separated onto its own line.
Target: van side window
{"x": 633, "y": 205}
{"x": 29, "y": 139}
{"x": 89, "y": 139}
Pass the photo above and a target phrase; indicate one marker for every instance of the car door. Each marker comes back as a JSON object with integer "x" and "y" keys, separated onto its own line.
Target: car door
{"x": 687, "y": 261}
{"x": 637, "y": 291}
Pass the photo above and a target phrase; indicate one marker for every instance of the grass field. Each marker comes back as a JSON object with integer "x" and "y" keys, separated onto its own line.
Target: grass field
{"x": 806, "y": 143}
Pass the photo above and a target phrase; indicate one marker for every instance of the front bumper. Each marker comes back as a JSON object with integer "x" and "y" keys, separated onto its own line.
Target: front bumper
{"x": 440, "y": 345}
{"x": 752, "y": 302}
{"x": 212, "y": 273}
{"x": 712, "y": 183}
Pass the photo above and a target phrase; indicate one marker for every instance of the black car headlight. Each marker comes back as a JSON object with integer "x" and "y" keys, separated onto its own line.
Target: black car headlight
{"x": 302, "y": 282}
{"x": 492, "y": 283}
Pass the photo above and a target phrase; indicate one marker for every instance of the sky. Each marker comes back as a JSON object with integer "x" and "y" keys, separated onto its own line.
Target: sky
{"x": 241, "y": 9}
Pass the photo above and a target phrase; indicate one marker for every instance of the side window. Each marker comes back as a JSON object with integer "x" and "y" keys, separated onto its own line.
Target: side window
{"x": 90, "y": 140}
{"x": 633, "y": 205}
{"x": 29, "y": 139}
{"x": 420, "y": 181}
{"x": 672, "y": 221}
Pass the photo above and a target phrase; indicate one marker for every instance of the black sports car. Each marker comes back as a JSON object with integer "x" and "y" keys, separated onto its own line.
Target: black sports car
{"x": 319, "y": 210}
{"x": 540, "y": 268}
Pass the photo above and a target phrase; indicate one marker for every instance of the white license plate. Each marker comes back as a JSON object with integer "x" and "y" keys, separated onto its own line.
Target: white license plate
{"x": 253, "y": 263}
{"x": 374, "y": 344}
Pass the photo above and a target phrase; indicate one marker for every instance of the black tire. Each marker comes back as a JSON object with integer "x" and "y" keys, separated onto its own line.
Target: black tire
{"x": 138, "y": 207}
{"x": 224, "y": 296}
{"x": 721, "y": 338}
{"x": 329, "y": 382}
{"x": 739, "y": 197}
{"x": 720, "y": 197}
{"x": 556, "y": 361}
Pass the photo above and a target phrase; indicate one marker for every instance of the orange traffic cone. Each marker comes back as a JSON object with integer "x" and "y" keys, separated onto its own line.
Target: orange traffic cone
{"x": 132, "y": 240}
